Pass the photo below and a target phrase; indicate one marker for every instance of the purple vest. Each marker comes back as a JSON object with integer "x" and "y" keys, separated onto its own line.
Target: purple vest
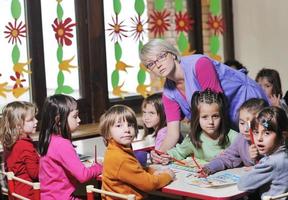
{"x": 237, "y": 86}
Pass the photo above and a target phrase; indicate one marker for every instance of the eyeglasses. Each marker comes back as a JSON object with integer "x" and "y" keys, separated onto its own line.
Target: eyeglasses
{"x": 160, "y": 58}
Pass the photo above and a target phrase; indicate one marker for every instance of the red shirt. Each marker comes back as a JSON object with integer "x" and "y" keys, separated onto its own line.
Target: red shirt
{"x": 23, "y": 161}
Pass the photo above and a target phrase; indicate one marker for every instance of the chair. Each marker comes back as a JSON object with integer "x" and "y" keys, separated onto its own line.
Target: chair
{"x": 11, "y": 187}
{"x": 90, "y": 189}
{"x": 275, "y": 197}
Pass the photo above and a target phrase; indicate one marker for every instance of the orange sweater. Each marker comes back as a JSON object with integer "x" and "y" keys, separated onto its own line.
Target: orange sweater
{"x": 122, "y": 173}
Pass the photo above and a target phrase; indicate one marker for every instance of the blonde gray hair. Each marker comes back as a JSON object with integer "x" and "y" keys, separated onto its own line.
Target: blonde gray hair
{"x": 156, "y": 47}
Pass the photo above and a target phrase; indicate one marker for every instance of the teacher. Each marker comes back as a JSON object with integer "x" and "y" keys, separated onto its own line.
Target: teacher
{"x": 185, "y": 75}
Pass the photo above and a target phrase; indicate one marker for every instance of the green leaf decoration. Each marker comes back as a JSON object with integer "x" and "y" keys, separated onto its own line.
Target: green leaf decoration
{"x": 59, "y": 12}
{"x": 117, "y": 6}
{"x": 159, "y": 4}
{"x": 214, "y": 44}
{"x": 139, "y": 6}
{"x": 115, "y": 78}
{"x": 59, "y": 53}
{"x": 60, "y": 78}
{"x": 118, "y": 51}
{"x": 182, "y": 42}
{"x": 15, "y": 9}
{"x": 66, "y": 89}
{"x": 215, "y": 7}
{"x": 15, "y": 54}
{"x": 58, "y": 90}
{"x": 178, "y": 5}
{"x": 141, "y": 76}
{"x": 140, "y": 45}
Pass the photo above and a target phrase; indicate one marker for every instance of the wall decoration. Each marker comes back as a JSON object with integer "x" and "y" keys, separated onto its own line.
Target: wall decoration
{"x": 63, "y": 34}
{"x": 216, "y": 26}
{"x": 14, "y": 32}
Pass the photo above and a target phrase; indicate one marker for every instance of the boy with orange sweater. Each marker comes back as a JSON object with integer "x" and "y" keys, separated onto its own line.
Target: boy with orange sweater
{"x": 122, "y": 173}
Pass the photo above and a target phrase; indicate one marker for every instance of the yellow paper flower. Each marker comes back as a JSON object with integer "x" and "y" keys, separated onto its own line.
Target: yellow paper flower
{"x": 17, "y": 92}
{"x": 3, "y": 89}
{"x": 65, "y": 65}
{"x": 143, "y": 90}
{"x": 121, "y": 66}
{"x": 19, "y": 67}
{"x": 118, "y": 92}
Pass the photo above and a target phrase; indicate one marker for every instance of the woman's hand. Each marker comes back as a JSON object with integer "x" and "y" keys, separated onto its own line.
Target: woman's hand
{"x": 275, "y": 100}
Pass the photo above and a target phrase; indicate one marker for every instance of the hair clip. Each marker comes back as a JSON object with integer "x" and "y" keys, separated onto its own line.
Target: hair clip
{"x": 265, "y": 123}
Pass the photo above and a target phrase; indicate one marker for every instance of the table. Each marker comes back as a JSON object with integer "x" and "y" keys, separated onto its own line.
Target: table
{"x": 180, "y": 188}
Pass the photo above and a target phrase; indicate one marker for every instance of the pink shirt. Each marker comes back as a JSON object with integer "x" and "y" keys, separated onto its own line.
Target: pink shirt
{"x": 202, "y": 68}
{"x": 61, "y": 169}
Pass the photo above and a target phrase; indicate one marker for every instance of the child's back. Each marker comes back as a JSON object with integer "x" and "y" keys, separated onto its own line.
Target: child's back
{"x": 60, "y": 166}
{"x": 21, "y": 158}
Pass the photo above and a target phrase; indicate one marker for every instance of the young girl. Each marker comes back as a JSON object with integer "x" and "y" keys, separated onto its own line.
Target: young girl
{"x": 60, "y": 167}
{"x": 122, "y": 173}
{"x": 210, "y": 133}
{"x": 17, "y": 124}
{"x": 269, "y": 80}
{"x": 270, "y": 176}
{"x": 154, "y": 123}
{"x": 241, "y": 151}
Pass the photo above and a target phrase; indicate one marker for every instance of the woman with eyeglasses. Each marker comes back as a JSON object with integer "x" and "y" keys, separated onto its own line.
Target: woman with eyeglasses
{"x": 184, "y": 76}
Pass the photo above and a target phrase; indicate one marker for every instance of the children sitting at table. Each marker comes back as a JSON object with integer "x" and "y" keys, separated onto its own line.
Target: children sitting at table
{"x": 17, "y": 124}
{"x": 60, "y": 166}
{"x": 242, "y": 152}
{"x": 122, "y": 173}
{"x": 210, "y": 133}
{"x": 270, "y": 176}
{"x": 154, "y": 124}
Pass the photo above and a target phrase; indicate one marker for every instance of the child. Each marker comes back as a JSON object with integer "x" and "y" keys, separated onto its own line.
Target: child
{"x": 241, "y": 151}
{"x": 154, "y": 123}
{"x": 210, "y": 133}
{"x": 269, "y": 80}
{"x": 17, "y": 124}
{"x": 270, "y": 176}
{"x": 122, "y": 173}
{"x": 60, "y": 167}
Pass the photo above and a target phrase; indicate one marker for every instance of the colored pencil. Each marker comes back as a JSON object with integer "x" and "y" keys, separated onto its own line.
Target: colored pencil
{"x": 174, "y": 159}
{"x": 198, "y": 166}
{"x": 251, "y": 133}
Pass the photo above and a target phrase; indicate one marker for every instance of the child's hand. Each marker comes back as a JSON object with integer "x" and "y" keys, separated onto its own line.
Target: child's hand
{"x": 253, "y": 152}
{"x": 275, "y": 100}
{"x": 170, "y": 172}
{"x": 158, "y": 158}
{"x": 203, "y": 173}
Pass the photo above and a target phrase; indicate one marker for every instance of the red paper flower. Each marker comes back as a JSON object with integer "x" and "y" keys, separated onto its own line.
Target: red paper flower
{"x": 159, "y": 22}
{"x": 216, "y": 24}
{"x": 18, "y": 80}
{"x": 183, "y": 22}
{"x": 63, "y": 31}
{"x": 138, "y": 29}
{"x": 15, "y": 32}
{"x": 117, "y": 29}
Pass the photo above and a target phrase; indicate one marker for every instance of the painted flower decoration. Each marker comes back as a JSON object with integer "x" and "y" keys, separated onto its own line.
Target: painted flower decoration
{"x": 183, "y": 22}
{"x": 14, "y": 32}
{"x": 117, "y": 29}
{"x": 216, "y": 24}
{"x": 137, "y": 28}
{"x": 63, "y": 31}
{"x": 18, "y": 80}
{"x": 159, "y": 22}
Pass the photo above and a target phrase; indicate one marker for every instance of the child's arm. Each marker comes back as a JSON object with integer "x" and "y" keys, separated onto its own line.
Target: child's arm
{"x": 183, "y": 150}
{"x": 131, "y": 172}
{"x": 230, "y": 158}
{"x": 31, "y": 160}
{"x": 71, "y": 162}
{"x": 257, "y": 177}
